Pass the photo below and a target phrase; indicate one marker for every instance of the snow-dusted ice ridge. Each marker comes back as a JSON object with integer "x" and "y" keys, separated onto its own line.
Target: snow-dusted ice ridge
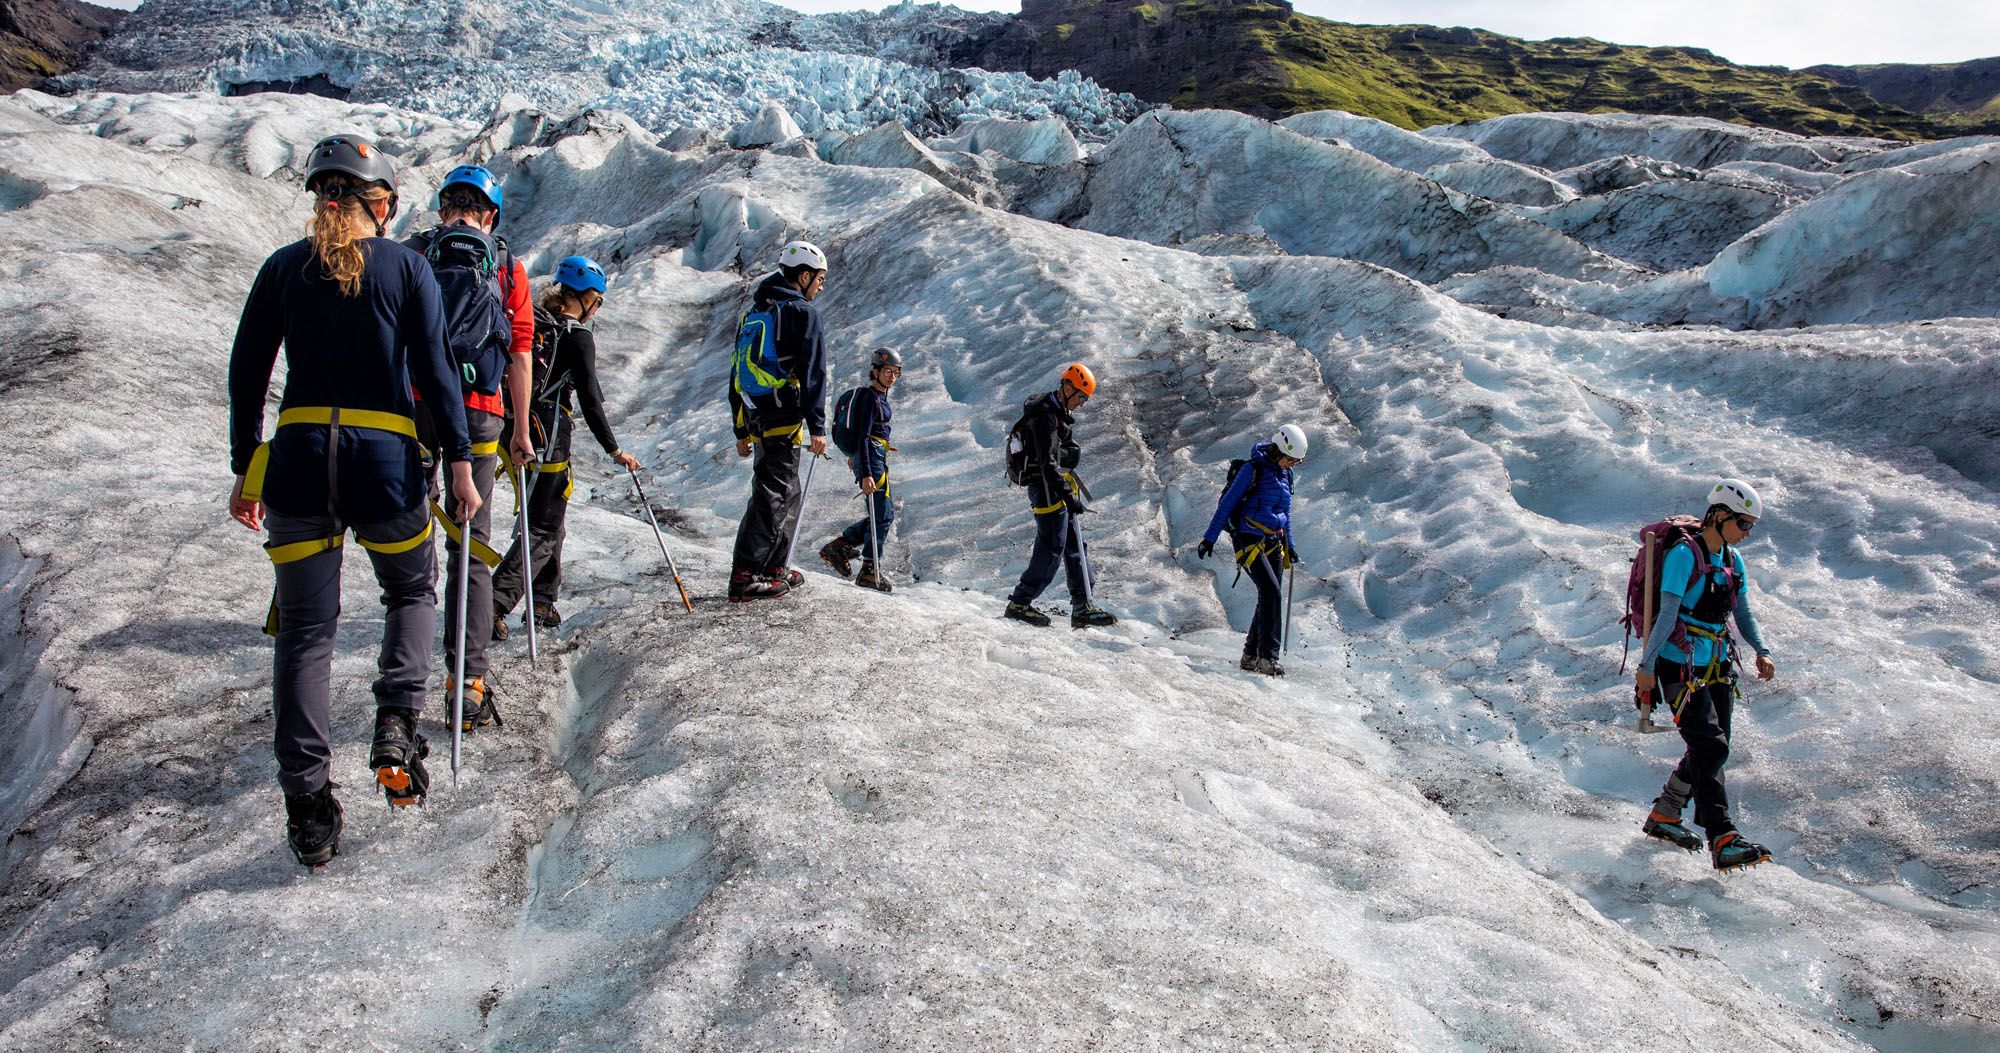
{"x": 850, "y": 821}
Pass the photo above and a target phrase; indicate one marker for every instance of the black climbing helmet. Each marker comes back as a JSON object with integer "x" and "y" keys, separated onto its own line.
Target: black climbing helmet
{"x": 884, "y": 356}
{"x": 354, "y": 156}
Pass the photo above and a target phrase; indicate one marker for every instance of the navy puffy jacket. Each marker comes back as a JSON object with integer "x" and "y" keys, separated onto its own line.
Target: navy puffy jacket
{"x": 801, "y": 356}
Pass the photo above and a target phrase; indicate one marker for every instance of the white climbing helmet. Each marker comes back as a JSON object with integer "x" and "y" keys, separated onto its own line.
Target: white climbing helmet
{"x": 802, "y": 254}
{"x": 1737, "y": 496}
{"x": 1291, "y": 441}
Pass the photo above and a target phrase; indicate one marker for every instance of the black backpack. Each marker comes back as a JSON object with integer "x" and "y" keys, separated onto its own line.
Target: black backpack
{"x": 469, "y": 264}
{"x": 1234, "y": 524}
{"x": 549, "y": 328}
{"x": 845, "y": 438}
{"x": 1017, "y": 449}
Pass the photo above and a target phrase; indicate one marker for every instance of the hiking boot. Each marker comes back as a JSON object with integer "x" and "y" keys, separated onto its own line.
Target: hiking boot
{"x": 839, "y": 555}
{"x": 312, "y": 825}
{"x": 479, "y": 708}
{"x": 398, "y": 757}
{"x": 792, "y": 578}
{"x": 1732, "y": 851}
{"x": 1266, "y": 667}
{"x": 1668, "y": 828}
{"x": 546, "y": 615}
{"x": 1247, "y": 662}
{"x": 499, "y": 625}
{"x": 870, "y": 578}
{"x": 745, "y": 586}
{"x": 1085, "y": 617}
{"x": 1022, "y": 612}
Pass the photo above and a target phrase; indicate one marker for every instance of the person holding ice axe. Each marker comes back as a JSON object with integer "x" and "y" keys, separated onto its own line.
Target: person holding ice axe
{"x": 861, "y": 431}
{"x": 1256, "y": 509}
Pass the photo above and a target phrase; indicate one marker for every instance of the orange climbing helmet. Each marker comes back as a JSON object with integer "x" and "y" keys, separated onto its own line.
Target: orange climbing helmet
{"x": 1081, "y": 378}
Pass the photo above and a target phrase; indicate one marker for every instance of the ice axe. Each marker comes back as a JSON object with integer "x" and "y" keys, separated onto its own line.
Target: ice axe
{"x": 527, "y": 556}
{"x": 458, "y": 658}
{"x": 675, "y": 571}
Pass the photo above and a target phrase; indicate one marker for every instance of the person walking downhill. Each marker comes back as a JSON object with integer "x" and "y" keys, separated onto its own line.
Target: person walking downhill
{"x": 490, "y": 327}
{"x": 1689, "y": 656}
{"x": 564, "y": 317}
{"x": 864, "y": 414}
{"x": 359, "y": 319}
{"x": 1043, "y": 456}
{"x": 1256, "y": 509}
{"x": 777, "y": 400}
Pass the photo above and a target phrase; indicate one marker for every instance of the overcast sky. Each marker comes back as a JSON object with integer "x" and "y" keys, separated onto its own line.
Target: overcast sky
{"x": 1759, "y": 32}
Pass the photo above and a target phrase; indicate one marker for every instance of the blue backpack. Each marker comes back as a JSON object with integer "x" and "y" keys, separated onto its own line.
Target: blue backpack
{"x": 468, "y": 263}
{"x": 845, "y": 438}
{"x": 754, "y": 369}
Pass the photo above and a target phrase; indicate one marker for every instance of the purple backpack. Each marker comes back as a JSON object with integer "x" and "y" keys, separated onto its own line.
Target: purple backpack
{"x": 1642, "y": 583}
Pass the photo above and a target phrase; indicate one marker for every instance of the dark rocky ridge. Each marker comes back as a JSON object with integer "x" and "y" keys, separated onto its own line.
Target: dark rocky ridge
{"x": 42, "y": 38}
{"x": 1962, "y": 92}
{"x": 1263, "y": 58}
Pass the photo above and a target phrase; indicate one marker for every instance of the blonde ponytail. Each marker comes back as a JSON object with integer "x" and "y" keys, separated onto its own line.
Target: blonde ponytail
{"x": 331, "y": 230}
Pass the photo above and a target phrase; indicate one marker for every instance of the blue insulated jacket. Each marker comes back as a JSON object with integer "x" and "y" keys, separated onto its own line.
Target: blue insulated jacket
{"x": 1261, "y": 491}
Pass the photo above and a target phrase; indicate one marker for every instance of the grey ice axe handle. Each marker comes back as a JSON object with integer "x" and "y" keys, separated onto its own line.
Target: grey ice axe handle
{"x": 458, "y": 658}
{"x": 521, "y": 484}
{"x": 675, "y": 571}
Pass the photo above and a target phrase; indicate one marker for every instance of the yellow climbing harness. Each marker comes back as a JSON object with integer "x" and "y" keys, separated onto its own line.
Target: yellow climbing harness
{"x": 331, "y": 416}
{"x": 1718, "y": 670}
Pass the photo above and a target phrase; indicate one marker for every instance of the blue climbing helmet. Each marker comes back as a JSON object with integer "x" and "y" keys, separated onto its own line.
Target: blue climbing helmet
{"x": 577, "y": 273}
{"x": 478, "y": 178}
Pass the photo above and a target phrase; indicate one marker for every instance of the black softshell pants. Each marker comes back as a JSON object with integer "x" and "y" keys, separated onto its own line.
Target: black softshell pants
{"x": 1704, "y": 724}
{"x": 549, "y": 486}
{"x": 1268, "y": 623}
{"x": 771, "y": 519}
{"x": 1056, "y": 544}
{"x": 308, "y": 614}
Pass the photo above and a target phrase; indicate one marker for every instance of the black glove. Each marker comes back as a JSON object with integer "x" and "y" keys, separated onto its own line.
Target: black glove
{"x": 1291, "y": 554}
{"x": 1075, "y": 504}
{"x": 1204, "y": 550}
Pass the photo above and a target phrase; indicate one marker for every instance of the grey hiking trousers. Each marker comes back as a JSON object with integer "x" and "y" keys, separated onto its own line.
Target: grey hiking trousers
{"x": 306, "y": 552}
{"x": 484, "y": 428}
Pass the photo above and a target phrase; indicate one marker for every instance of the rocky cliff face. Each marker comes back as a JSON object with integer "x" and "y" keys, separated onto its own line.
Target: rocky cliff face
{"x": 1160, "y": 52}
{"x": 1957, "y": 93}
{"x": 41, "y": 38}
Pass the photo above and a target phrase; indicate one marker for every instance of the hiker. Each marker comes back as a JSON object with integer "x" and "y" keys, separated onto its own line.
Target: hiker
{"x": 777, "y": 398}
{"x": 1043, "y": 457}
{"x": 1689, "y": 657}
{"x": 1256, "y": 509}
{"x": 360, "y": 319}
{"x": 562, "y": 323}
{"x": 863, "y": 416}
{"x": 490, "y": 328}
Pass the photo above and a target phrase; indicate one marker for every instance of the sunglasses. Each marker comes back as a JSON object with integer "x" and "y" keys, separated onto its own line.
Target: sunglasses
{"x": 1744, "y": 523}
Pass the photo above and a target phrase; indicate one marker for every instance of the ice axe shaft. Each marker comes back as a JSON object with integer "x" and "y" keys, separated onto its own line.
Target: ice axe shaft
{"x": 657, "y": 536}
{"x": 521, "y": 483}
{"x": 458, "y": 653}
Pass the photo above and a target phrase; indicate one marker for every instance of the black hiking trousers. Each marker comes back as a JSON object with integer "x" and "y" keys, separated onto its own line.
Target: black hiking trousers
{"x": 771, "y": 519}
{"x": 1268, "y": 623}
{"x": 307, "y": 608}
{"x": 1056, "y": 545}
{"x": 1704, "y": 723}
{"x": 549, "y": 484}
